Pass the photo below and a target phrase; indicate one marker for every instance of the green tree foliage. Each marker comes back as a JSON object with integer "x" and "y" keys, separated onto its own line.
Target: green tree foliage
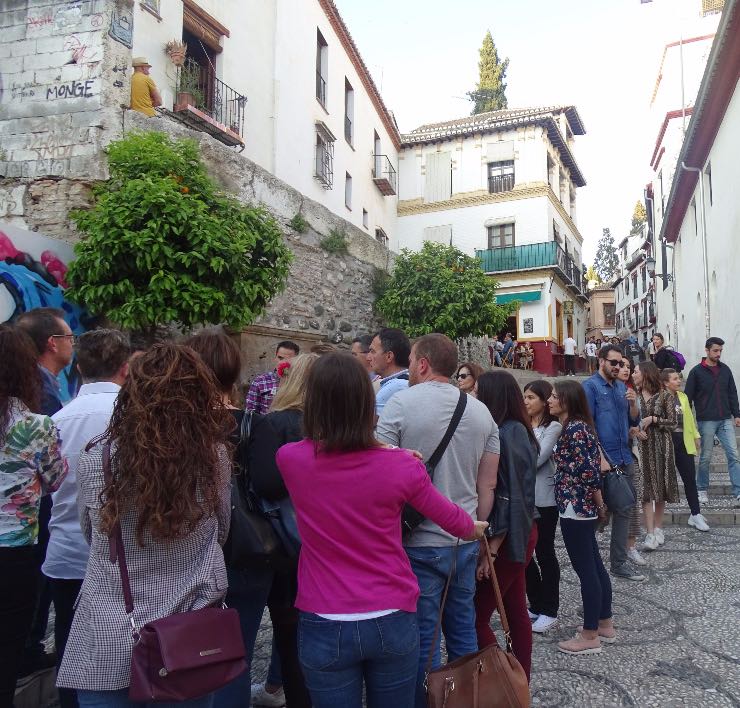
{"x": 162, "y": 244}
{"x": 490, "y": 92}
{"x": 440, "y": 289}
{"x": 592, "y": 275}
{"x": 606, "y": 263}
{"x": 639, "y": 216}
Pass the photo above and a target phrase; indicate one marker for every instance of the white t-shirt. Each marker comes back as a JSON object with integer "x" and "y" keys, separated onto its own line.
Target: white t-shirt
{"x": 569, "y": 346}
{"x": 590, "y": 349}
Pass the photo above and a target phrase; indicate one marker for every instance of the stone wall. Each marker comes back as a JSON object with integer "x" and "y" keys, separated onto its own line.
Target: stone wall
{"x": 63, "y": 66}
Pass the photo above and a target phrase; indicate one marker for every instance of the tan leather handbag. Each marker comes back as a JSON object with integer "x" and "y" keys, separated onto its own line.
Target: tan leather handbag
{"x": 489, "y": 678}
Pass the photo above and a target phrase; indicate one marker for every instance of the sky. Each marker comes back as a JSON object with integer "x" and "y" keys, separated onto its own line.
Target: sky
{"x": 602, "y": 56}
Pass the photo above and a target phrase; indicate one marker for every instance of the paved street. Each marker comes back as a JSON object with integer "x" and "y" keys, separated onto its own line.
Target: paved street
{"x": 679, "y": 633}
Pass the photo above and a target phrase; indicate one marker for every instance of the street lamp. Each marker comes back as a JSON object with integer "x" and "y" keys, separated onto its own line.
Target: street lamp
{"x": 650, "y": 263}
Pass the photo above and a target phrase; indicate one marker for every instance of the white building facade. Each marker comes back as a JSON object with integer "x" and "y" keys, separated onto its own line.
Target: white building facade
{"x": 686, "y": 29}
{"x": 702, "y": 216}
{"x": 502, "y": 185}
{"x": 284, "y": 81}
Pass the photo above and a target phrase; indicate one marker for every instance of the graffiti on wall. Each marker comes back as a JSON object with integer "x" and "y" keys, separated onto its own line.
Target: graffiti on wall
{"x": 122, "y": 27}
{"x": 33, "y": 270}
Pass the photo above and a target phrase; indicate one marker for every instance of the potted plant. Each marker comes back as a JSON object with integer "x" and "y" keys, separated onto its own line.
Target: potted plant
{"x": 175, "y": 50}
{"x": 188, "y": 90}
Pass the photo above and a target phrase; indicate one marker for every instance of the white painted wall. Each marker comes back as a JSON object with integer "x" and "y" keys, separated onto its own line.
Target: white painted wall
{"x": 723, "y": 227}
{"x": 270, "y": 57}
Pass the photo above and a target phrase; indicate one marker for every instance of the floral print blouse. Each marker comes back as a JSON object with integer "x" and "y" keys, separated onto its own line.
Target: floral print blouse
{"x": 577, "y": 469}
{"x": 31, "y": 465}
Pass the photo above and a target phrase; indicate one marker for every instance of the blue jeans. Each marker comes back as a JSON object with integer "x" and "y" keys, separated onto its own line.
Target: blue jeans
{"x": 338, "y": 656}
{"x": 432, "y": 566}
{"x": 725, "y": 431}
{"x": 247, "y": 594}
{"x": 119, "y": 699}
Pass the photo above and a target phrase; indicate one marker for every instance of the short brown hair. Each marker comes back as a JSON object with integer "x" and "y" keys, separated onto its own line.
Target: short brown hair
{"x": 660, "y": 336}
{"x": 475, "y": 369}
{"x": 220, "y": 354}
{"x": 101, "y": 353}
{"x": 339, "y": 406}
{"x": 440, "y": 351}
{"x": 40, "y": 324}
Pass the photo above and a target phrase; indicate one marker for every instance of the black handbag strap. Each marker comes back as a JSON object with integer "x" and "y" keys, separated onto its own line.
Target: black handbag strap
{"x": 451, "y": 428}
{"x": 115, "y": 545}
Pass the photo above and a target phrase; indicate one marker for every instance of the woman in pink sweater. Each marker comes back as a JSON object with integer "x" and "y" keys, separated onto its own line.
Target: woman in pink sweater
{"x": 356, "y": 590}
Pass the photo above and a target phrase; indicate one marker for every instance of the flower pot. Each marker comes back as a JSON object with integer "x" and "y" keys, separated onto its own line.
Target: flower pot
{"x": 184, "y": 100}
{"x": 177, "y": 56}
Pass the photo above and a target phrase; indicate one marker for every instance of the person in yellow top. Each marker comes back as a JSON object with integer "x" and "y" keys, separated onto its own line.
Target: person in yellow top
{"x": 686, "y": 439}
{"x": 144, "y": 93}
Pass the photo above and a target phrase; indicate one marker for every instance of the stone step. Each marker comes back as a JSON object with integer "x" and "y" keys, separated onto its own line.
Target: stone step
{"x": 716, "y": 488}
{"x": 714, "y": 517}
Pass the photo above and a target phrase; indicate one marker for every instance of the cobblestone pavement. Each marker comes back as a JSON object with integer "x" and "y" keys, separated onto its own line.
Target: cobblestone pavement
{"x": 679, "y": 632}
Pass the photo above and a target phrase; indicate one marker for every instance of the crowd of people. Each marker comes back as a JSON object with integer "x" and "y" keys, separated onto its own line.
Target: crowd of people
{"x": 336, "y": 448}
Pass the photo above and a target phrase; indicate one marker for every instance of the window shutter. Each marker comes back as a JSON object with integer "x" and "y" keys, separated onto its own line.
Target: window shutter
{"x": 438, "y": 186}
{"x": 439, "y": 234}
{"x": 500, "y": 152}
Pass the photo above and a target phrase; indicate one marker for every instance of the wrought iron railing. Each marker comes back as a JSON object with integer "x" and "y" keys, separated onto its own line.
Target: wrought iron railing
{"x": 500, "y": 183}
{"x": 384, "y": 174}
{"x": 324, "y": 170}
{"x": 197, "y": 86}
{"x": 320, "y": 88}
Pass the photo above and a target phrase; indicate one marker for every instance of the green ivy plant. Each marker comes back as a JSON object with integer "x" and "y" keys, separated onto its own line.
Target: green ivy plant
{"x": 162, "y": 244}
{"x": 299, "y": 224}
{"x": 335, "y": 242}
{"x": 440, "y": 289}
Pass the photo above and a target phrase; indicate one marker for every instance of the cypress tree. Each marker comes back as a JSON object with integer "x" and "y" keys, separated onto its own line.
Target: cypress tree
{"x": 490, "y": 93}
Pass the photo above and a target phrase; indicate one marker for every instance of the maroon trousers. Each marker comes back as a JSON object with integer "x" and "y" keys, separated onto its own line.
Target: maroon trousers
{"x": 513, "y": 587}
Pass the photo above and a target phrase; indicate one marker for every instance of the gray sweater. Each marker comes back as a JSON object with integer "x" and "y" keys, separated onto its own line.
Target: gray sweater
{"x": 544, "y": 490}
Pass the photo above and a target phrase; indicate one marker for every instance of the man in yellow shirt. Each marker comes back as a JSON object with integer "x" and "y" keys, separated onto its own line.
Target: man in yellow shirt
{"x": 144, "y": 93}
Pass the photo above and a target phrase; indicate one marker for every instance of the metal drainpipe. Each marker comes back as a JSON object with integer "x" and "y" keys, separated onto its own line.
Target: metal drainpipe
{"x": 707, "y": 315}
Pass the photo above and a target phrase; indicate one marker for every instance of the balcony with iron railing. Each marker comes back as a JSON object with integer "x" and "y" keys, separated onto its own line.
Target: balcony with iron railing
{"x": 500, "y": 183}
{"x": 206, "y": 103}
{"x": 534, "y": 256}
{"x": 384, "y": 175}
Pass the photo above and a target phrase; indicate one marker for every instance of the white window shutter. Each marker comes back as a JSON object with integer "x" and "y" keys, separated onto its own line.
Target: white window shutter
{"x": 438, "y": 185}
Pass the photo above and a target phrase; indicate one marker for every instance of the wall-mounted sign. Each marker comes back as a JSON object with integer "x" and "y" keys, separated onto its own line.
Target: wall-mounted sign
{"x": 529, "y": 325}
{"x": 568, "y": 307}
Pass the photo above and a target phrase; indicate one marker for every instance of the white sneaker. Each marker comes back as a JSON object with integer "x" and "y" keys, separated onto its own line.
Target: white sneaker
{"x": 703, "y": 497}
{"x": 634, "y": 555}
{"x": 659, "y": 536}
{"x": 698, "y": 522}
{"x": 543, "y": 623}
{"x": 532, "y": 616}
{"x": 650, "y": 543}
{"x": 260, "y": 697}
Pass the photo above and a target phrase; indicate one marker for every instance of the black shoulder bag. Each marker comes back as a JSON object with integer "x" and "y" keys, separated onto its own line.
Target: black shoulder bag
{"x": 411, "y": 518}
{"x": 252, "y": 539}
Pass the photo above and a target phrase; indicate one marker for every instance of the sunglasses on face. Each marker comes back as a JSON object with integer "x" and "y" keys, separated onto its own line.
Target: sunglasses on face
{"x": 614, "y": 363}
{"x": 462, "y": 376}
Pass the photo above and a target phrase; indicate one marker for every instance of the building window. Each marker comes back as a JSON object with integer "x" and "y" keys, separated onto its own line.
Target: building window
{"x": 152, "y": 5}
{"x": 438, "y": 177}
{"x": 322, "y": 67}
{"x": 501, "y": 236}
{"x": 556, "y": 231}
{"x": 381, "y": 236}
{"x": 348, "y": 190}
{"x": 324, "y": 164}
{"x": 643, "y": 272}
{"x": 364, "y": 218}
{"x": 634, "y": 284}
{"x": 501, "y": 176}
{"x": 563, "y": 188}
{"x": 551, "y": 172}
{"x": 349, "y": 111}
{"x": 609, "y": 314}
{"x": 626, "y": 286}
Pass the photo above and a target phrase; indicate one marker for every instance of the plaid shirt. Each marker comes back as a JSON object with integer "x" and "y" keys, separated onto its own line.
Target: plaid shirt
{"x": 261, "y": 392}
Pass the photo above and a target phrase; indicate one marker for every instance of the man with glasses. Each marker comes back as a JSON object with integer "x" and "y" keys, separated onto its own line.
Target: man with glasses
{"x": 54, "y": 344}
{"x": 360, "y": 349}
{"x": 614, "y": 410}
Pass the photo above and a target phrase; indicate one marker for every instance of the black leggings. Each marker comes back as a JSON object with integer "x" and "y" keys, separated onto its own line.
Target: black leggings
{"x": 543, "y": 574}
{"x": 596, "y": 587}
{"x": 687, "y": 470}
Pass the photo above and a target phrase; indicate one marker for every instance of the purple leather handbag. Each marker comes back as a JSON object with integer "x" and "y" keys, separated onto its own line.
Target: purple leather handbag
{"x": 186, "y": 655}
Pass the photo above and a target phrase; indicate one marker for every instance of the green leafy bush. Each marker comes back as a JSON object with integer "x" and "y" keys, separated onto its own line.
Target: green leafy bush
{"x": 440, "y": 289}
{"x": 162, "y": 244}
{"x": 299, "y": 224}
{"x": 335, "y": 242}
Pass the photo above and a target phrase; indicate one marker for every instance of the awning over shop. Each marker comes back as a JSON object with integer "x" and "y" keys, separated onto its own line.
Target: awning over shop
{"x": 528, "y": 296}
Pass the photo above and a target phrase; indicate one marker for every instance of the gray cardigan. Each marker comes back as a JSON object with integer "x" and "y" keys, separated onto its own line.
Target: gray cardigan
{"x": 184, "y": 574}
{"x": 544, "y": 490}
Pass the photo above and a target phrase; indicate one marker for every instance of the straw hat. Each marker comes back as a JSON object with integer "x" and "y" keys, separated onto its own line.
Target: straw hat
{"x": 140, "y": 61}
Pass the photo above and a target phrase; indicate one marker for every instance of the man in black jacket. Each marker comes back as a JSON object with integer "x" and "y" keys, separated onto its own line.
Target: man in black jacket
{"x": 711, "y": 389}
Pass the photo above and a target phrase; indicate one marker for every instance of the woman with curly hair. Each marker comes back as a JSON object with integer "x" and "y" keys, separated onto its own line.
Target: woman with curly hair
{"x": 30, "y": 465}
{"x": 170, "y": 491}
